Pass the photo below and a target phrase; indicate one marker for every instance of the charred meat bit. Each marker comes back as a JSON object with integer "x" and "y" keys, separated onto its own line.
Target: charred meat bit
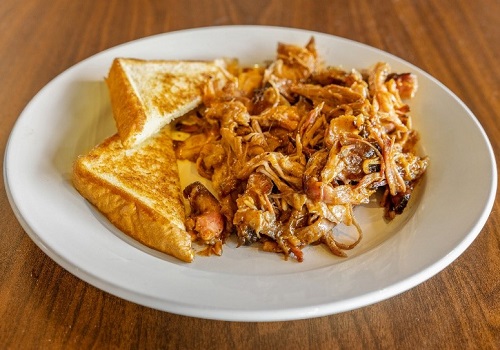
{"x": 205, "y": 220}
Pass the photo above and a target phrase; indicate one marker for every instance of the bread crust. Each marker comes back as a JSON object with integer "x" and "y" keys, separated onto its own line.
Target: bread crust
{"x": 108, "y": 178}
{"x": 128, "y": 113}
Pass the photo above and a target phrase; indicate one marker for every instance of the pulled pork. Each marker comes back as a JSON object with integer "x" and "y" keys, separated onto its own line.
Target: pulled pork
{"x": 293, "y": 146}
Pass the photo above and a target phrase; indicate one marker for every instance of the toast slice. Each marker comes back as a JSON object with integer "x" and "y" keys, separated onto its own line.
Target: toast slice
{"x": 138, "y": 190}
{"x": 148, "y": 94}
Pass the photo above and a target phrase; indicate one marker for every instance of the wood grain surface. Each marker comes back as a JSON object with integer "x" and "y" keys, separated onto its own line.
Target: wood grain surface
{"x": 44, "y": 306}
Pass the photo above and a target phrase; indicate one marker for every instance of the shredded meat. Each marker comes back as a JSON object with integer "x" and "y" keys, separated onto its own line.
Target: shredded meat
{"x": 293, "y": 146}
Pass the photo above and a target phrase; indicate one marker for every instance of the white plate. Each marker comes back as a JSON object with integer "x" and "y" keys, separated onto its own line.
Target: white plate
{"x": 72, "y": 113}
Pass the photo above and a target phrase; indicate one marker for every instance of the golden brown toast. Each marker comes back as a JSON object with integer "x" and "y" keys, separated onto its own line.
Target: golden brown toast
{"x": 148, "y": 94}
{"x": 138, "y": 190}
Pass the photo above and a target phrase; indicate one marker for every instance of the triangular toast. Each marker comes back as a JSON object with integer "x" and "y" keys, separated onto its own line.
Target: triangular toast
{"x": 148, "y": 94}
{"x": 138, "y": 190}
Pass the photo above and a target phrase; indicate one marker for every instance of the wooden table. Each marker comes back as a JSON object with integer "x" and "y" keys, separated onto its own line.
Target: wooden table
{"x": 44, "y": 306}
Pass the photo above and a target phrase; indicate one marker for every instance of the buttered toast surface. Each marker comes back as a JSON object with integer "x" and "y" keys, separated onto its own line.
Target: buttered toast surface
{"x": 138, "y": 190}
{"x": 147, "y": 95}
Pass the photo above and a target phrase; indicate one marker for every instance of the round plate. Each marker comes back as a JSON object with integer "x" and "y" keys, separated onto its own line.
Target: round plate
{"x": 72, "y": 114}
